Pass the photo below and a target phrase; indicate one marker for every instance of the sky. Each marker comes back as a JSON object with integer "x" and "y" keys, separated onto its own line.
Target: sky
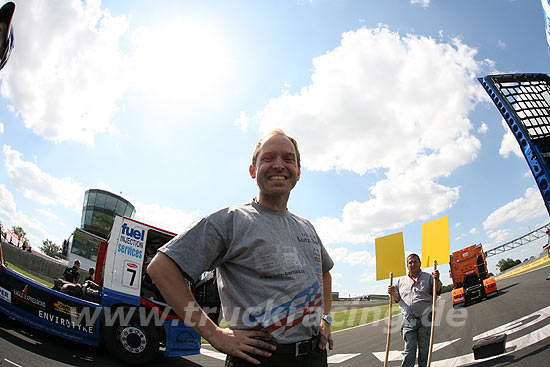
{"x": 163, "y": 102}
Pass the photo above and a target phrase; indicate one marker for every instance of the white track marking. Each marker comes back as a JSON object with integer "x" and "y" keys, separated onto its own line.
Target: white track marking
{"x": 211, "y": 353}
{"x": 13, "y": 363}
{"x": 339, "y": 358}
{"x": 517, "y": 325}
{"x": 396, "y": 355}
{"x": 511, "y": 346}
{"x": 336, "y": 358}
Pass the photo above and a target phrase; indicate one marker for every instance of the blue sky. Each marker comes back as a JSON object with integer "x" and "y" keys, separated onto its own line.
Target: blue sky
{"x": 164, "y": 101}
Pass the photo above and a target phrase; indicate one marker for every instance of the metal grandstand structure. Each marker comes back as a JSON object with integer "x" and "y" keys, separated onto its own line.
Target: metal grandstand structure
{"x": 523, "y": 100}
{"x": 523, "y": 240}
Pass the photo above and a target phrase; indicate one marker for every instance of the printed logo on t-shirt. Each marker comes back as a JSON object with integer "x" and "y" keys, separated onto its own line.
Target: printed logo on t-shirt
{"x": 278, "y": 261}
{"x": 304, "y": 306}
{"x": 307, "y": 238}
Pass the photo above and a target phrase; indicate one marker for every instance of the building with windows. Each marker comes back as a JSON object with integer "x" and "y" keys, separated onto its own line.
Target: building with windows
{"x": 98, "y": 213}
{"x": 99, "y": 209}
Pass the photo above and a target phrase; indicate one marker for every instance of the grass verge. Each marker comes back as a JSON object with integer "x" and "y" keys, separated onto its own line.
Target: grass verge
{"x": 343, "y": 319}
{"x": 29, "y": 275}
{"x": 352, "y": 317}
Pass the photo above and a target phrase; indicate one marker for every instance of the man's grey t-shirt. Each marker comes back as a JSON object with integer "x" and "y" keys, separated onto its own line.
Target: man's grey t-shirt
{"x": 416, "y": 295}
{"x": 270, "y": 268}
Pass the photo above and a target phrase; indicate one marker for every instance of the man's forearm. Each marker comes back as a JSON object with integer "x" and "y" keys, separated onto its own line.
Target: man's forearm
{"x": 172, "y": 285}
{"x": 327, "y": 293}
{"x": 396, "y": 297}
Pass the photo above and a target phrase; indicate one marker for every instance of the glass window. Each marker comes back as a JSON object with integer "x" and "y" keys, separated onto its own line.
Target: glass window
{"x": 100, "y": 200}
{"x": 110, "y": 203}
{"x": 102, "y": 223}
{"x": 120, "y": 207}
{"x": 91, "y": 198}
{"x": 85, "y": 200}
{"x": 88, "y": 217}
{"x": 129, "y": 211}
{"x": 85, "y": 246}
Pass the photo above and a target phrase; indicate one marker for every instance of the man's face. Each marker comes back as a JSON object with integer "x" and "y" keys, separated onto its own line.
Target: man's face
{"x": 276, "y": 170}
{"x": 413, "y": 265}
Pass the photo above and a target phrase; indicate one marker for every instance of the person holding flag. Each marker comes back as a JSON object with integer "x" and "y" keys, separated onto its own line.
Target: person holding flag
{"x": 414, "y": 293}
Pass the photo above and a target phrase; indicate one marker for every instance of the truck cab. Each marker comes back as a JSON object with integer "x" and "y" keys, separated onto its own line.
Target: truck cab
{"x": 122, "y": 309}
{"x": 471, "y": 280}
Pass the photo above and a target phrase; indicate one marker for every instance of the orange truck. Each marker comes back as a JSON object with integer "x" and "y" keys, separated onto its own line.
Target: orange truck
{"x": 471, "y": 280}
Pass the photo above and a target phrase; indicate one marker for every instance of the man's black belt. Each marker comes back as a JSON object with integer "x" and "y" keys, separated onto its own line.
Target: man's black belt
{"x": 299, "y": 348}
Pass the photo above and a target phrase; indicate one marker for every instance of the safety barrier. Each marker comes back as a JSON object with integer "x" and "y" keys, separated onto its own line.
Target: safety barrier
{"x": 34, "y": 264}
{"x": 523, "y": 268}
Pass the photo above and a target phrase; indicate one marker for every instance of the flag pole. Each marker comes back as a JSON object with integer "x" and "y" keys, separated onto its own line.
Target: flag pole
{"x": 389, "y": 325}
{"x": 433, "y": 318}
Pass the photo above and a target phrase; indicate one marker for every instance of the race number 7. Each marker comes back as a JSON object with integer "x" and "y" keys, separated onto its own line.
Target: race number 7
{"x": 130, "y": 275}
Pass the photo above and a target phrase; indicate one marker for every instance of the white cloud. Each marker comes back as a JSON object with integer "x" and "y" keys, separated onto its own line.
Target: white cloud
{"x": 170, "y": 219}
{"x": 337, "y": 254}
{"x": 483, "y": 128}
{"x": 343, "y": 255}
{"x": 68, "y": 71}
{"x": 528, "y": 207}
{"x": 474, "y": 231}
{"x": 499, "y": 236}
{"x": 501, "y": 44}
{"x": 509, "y": 143}
{"x": 424, "y": 3}
{"x": 360, "y": 258}
{"x": 10, "y": 216}
{"x": 336, "y": 280}
{"x": 368, "y": 276}
{"x": 180, "y": 62}
{"x": 354, "y": 117}
{"x": 47, "y": 213}
{"x": 40, "y": 186}
{"x": 241, "y": 121}
{"x": 1, "y": 128}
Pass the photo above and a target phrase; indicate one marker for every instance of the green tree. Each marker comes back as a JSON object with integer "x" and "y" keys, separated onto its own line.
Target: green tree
{"x": 50, "y": 248}
{"x": 446, "y": 288}
{"x": 18, "y": 230}
{"x": 505, "y": 264}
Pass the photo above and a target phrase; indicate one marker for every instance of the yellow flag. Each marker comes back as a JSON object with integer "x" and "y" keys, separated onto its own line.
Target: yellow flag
{"x": 390, "y": 256}
{"x": 435, "y": 242}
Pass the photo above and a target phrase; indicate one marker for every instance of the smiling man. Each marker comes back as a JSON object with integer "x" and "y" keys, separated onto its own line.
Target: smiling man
{"x": 415, "y": 294}
{"x": 273, "y": 271}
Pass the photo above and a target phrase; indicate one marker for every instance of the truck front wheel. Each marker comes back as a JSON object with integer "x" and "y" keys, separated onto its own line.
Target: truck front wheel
{"x": 132, "y": 343}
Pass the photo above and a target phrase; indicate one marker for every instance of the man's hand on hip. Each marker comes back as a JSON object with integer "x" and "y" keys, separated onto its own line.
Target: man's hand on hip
{"x": 325, "y": 336}
{"x": 242, "y": 343}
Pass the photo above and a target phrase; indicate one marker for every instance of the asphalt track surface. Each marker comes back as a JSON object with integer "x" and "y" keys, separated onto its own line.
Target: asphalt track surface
{"x": 521, "y": 310}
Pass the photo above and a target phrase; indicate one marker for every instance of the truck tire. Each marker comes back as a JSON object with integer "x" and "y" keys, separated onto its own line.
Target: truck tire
{"x": 134, "y": 343}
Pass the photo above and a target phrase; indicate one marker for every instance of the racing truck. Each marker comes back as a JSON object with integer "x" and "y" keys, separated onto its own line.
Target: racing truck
{"x": 471, "y": 280}
{"x": 122, "y": 309}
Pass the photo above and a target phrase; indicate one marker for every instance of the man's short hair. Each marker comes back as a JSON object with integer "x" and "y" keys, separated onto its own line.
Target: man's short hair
{"x": 415, "y": 255}
{"x": 269, "y": 135}
{"x": 77, "y": 262}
